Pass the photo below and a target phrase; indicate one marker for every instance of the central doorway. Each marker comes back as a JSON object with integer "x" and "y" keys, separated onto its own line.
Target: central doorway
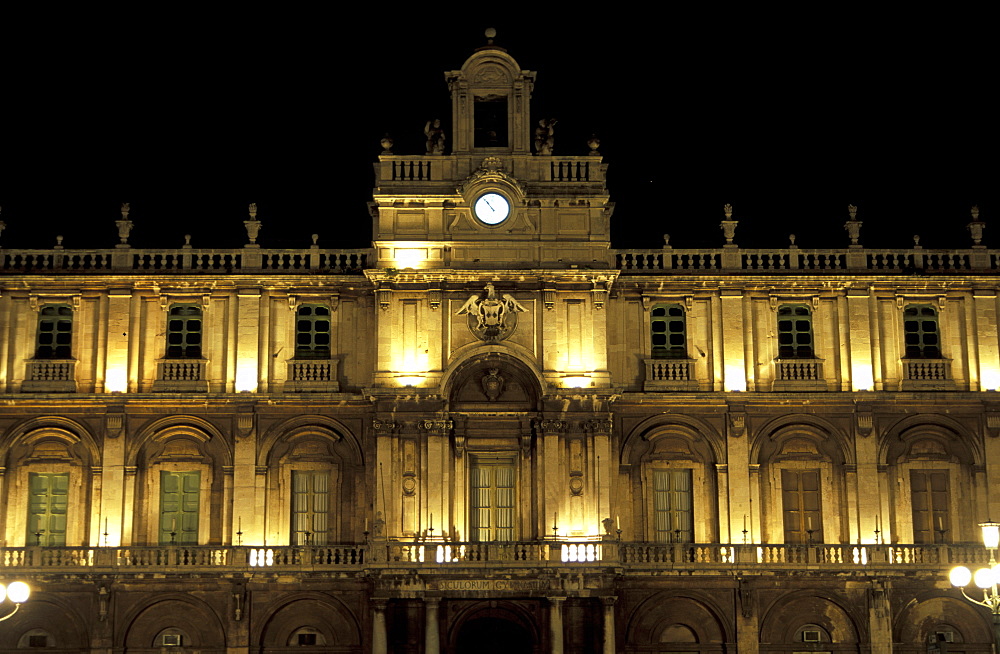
{"x": 491, "y": 635}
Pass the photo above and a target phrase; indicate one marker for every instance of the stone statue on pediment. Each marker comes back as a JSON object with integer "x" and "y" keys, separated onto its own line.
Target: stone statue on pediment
{"x": 545, "y": 136}
{"x": 435, "y": 137}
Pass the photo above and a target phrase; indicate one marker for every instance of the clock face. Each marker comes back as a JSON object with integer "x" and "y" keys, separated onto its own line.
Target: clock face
{"x": 491, "y": 208}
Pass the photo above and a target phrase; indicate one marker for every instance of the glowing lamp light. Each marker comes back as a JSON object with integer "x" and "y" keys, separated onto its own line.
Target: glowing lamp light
{"x": 984, "y": 577}
{"x": 861, "y": 378}
{"x": 413, "y": 380}
{"x": 116, "y": 381}
{"x": 16, "y": 592}
{"x": 575, "y": 382}
{"x": 991, "y": 534}
{"x": 960, "y": 576}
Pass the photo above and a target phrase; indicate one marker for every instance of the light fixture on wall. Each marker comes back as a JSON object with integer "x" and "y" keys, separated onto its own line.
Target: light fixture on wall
{"x": 984, "y": 578}
{"x": 17, "y": 592}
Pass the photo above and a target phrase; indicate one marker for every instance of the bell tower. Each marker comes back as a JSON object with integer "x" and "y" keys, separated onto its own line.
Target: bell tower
{"x": 492, "y": 192}
{"x": 490, "y": 102}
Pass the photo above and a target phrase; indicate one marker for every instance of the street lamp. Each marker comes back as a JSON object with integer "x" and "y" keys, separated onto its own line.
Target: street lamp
{"x": 985, "y": 578}
{"x": 17, "y": 592}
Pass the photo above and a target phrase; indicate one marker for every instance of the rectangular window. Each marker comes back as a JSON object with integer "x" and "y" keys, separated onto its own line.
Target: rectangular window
{"x": 184, "y": 332}
{"x": 310, "y": 507}
{"x": 490, "y": 122}
{"x": 668, "y": 332}
{"x": 312, "y": 332}
{"x": 800, "y": 495}
{"x": 795, "y": 340}
{"x": 672, "y": 512}
{"x": 929, "y": 496}
{"x": 47, "y": 505}
{"x": 55, "y": 332}
{"x": 179, "y": 504}
{"x": 491, "y": 507}
{"x": 920, "y": 328}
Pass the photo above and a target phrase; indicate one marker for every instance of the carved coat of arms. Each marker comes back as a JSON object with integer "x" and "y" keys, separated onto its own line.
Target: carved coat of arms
{"x": 492, "y": 318}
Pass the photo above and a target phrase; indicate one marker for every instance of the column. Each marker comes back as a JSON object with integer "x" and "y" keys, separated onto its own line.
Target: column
{"x": 380, "y": 641}
{"x": 556, "y": 624}
{"x": 735, "y": 365}
{"x": 609, "y": 625}
{"x": 880, "y": 617}
{"x": 432, "y": 639}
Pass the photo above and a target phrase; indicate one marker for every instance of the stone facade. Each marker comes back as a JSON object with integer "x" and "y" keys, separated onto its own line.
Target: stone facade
{"x": 493, "y": 432}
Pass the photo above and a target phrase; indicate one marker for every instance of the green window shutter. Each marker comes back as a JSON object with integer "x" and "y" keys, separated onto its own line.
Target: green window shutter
{"x": 672, "y": 506}
{"x": 312, "y": 332}
{"x": 492, "y": 501}
{"x": 179, "y": 505}
{"x": 668, "y": 332}
{"x": 184, "y": 331}
{"x": 920, "y": 332}
{"x": 795, "y": 339}
{"x": 55, "y": 332}
{"x": 48, "y": 504}
{"x": 930, "y": 500}
{"x": 310, "y": 507}
{"x": 801, "y": 506}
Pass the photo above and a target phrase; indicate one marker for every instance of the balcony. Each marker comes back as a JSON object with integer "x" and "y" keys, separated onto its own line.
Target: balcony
{"x": 670, "y": 375}
{"x": 927, "y": 375}
{"x": 181, "y": 376}
{"x": 632, "y": 558}
{"x": 312, "y": 376}
{"x": 798, "y": 375}
{"x": 50, "y": 376}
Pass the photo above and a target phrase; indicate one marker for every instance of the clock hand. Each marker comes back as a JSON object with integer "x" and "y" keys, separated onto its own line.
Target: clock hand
{"x": 489, "y": 205}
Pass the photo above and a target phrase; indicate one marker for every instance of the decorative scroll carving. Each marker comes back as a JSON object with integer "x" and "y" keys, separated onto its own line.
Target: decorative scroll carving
{"x": 384, "y": 427}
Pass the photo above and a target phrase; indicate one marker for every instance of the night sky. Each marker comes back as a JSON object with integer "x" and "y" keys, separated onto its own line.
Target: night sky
{"x": 192, "y": 120}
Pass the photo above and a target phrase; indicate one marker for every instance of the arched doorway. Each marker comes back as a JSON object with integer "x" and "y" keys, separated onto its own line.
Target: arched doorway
{"x": 493, "y": 635}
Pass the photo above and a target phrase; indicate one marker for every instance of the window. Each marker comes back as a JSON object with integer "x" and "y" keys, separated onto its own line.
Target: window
{"x": 795, "y": 339}
{"x": 184, "y": 332}
{"x": 47, "y": 505}
{"x": 667, "y": 330}
{"x": 672, "y": 515}
{"x": 55, "y": 332}
{"x": 179, "y": 497}
{"x": 920, "y": 327}
{"x": 801, "y": 506}
{"x": 929, "y": 496}
{"x": 312, "y": 332}
{"x": 310, "y": 507}
{"x": 491, "y": 510}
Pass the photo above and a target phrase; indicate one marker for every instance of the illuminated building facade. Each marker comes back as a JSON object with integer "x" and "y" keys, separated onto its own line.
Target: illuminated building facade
{"x": 493, "y": 432}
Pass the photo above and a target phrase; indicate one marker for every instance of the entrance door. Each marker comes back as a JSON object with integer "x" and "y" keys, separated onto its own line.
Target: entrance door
{"x": 493, "y": 636}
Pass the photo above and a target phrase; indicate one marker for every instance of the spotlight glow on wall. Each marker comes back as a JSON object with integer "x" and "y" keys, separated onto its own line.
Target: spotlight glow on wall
{"x": 116, "y": 381}
{"x": 861, "y": 378}
{"x": 735, "y": 379}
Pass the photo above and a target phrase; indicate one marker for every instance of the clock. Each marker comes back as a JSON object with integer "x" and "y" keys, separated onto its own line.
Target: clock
{"x": 491, "y": 208}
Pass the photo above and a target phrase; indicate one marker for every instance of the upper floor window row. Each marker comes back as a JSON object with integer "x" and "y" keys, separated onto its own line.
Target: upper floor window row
{"x": 668, "y": 331}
